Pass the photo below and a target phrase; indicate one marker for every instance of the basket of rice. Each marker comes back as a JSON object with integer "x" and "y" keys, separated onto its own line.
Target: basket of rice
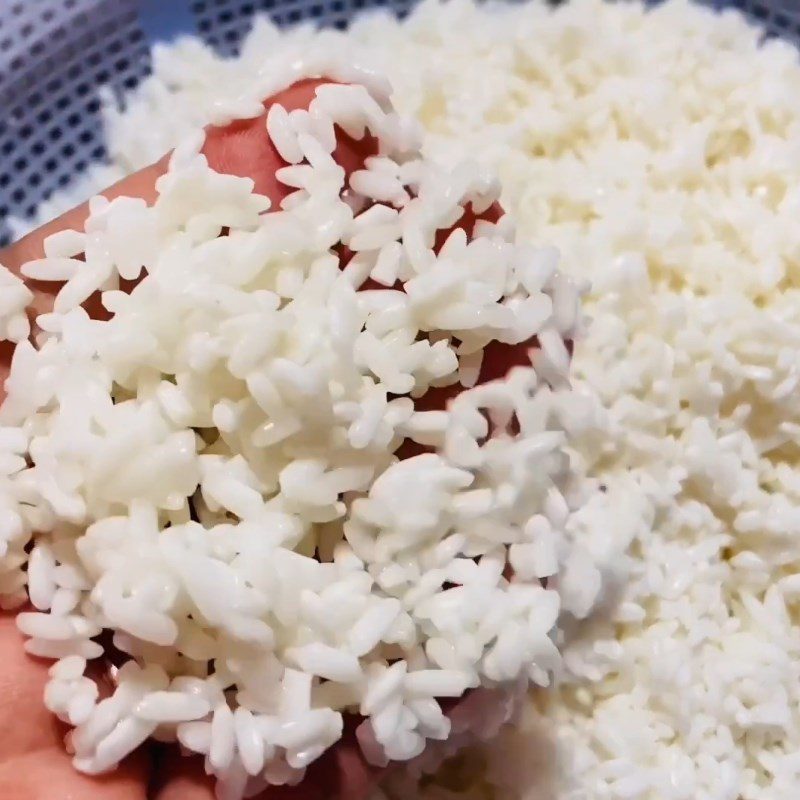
{"x": 400, "y": 402}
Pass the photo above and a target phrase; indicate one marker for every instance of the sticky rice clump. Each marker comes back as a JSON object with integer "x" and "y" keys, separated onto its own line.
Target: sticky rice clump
{"x": 212, "y": 473}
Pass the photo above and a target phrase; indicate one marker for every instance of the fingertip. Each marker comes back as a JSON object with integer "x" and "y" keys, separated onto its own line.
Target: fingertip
{"x": 243, "y": 148}
{"x": 31, "y": 246}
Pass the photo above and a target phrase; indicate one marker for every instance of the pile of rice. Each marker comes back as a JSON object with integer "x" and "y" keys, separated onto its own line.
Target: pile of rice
{"x": 210, "y": 474}
{"x": 660, "y": 151}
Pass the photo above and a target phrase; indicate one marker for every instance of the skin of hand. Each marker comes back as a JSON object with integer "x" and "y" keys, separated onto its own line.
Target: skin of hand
{"x": 33, "y": 762}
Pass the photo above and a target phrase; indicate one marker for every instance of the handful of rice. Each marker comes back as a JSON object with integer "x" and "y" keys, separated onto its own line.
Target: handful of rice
{"x": 211, "y": 474}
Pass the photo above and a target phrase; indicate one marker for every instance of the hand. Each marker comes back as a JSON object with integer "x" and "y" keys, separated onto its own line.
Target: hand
{"x": 34, "y": 764}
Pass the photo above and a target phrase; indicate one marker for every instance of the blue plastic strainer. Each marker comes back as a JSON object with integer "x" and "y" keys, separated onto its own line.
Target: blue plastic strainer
{"x": 55, "y": 54}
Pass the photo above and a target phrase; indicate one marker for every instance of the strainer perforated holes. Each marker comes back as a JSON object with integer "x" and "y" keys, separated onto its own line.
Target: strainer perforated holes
{"x": 55, "y": 55}
{"x": 223, "y": 23}
{"x": 779, "y": 17}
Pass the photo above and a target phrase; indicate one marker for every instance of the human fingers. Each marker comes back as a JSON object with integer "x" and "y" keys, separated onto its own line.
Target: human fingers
{"x": 240, "y": 148}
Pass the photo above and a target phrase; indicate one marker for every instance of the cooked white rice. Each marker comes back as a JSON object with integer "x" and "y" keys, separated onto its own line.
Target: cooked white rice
{"x": 660, "y": 151}
{"x": 210, "y": 475}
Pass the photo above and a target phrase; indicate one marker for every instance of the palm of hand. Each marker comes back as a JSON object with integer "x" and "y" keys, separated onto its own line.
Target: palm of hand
{"x": 34, "y": 763}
